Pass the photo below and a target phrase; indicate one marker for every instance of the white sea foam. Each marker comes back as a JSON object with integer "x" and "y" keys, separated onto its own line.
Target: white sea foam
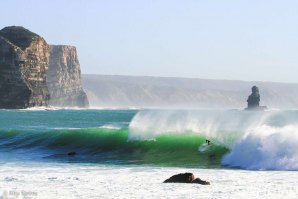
{"x": 100, "y": 181}
{"x": 39, "y": 108}
{"x": 110, "y": 126}
{"x": 266, "y": 147}
{"x": 63, "y": 128}
{"x": 52, "y": 108}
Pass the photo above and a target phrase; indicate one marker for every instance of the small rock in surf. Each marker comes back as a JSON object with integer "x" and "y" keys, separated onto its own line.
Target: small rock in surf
{"x": 72, "y": 153}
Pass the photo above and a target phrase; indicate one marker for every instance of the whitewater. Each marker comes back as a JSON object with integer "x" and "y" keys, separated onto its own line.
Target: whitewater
{"x": 129, "y": 153}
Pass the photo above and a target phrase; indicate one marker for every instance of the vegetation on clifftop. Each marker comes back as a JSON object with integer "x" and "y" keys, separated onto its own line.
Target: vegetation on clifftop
{"x": 18, "y": 35}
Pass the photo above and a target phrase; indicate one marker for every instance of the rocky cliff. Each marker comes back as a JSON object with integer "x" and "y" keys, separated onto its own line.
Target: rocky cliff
{"x": 24, "y": 59}
{"x": 32, "y": 73}
{"x": 64, "y": 78}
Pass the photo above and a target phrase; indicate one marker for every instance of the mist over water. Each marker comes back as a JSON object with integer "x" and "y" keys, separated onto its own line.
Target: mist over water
{"x": 174, "y": 92}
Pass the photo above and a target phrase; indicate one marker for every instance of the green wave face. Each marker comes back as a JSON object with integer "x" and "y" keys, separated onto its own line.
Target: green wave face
{"x": 240, "y": 139}
{"x": 99, "y": 145}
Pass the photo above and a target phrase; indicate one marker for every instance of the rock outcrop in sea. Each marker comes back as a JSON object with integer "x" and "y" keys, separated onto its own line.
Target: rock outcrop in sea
{"x": 253, "y": 101}
{"x": 24, "y": 61}
{"x": 33, "y": 73}
{"x": 64, "y": 78}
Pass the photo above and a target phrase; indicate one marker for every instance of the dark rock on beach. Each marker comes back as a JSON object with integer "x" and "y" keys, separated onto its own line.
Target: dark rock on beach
{"x": 185, "y": 178}
{"x": 199, "y": 181}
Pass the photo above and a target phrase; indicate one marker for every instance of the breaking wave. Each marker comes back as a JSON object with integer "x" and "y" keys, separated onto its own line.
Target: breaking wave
{"x": 243, "y": 139}
{"x": 266, "y": 147}
{"x": 255, "y": 140}
{"x": 110, "y": 145}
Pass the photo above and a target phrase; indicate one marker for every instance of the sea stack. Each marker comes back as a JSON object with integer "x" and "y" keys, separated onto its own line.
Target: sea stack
{"x": 253, "y": 101}
{"x": 24, "y": 61}
{"x": 64, "y": 78}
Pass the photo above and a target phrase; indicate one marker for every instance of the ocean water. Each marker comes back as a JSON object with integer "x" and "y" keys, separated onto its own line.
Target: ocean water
{"x": 129, "y": 153}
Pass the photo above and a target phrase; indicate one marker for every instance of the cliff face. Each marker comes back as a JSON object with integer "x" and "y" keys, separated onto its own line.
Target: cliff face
{"x": 64, "y": 78}
{"x": 32, "y": 73}
{"x": 24, "y": 59}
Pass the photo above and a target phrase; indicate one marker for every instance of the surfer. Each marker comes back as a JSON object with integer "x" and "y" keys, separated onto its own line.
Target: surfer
{"x": 204, "y": 148}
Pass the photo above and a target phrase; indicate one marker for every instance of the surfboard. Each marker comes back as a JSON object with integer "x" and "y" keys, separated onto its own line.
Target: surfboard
{"x": 204, "y": 148}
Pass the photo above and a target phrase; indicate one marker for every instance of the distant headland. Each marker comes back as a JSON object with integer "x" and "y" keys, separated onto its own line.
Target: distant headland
{"x": 118, "y": 91}
{"x": 34, "y": 73}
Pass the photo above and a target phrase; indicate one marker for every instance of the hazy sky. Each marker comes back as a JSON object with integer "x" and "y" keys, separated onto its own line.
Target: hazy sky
{"x": 218, "y": 39}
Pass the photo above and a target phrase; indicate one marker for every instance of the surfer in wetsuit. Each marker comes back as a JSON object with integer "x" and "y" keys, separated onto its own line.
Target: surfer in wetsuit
{"x": 208, "y": 142}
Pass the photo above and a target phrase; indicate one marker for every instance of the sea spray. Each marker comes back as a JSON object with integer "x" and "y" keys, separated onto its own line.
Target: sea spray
{"x": 222, "y": 126}
{"x": 266, "y": 147}
{"x": 257, "y": 140}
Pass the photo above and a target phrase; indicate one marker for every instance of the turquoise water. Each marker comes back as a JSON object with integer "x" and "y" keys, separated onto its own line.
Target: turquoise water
{"x": 97, "y": 136}
{"x": 241, "y": 139}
